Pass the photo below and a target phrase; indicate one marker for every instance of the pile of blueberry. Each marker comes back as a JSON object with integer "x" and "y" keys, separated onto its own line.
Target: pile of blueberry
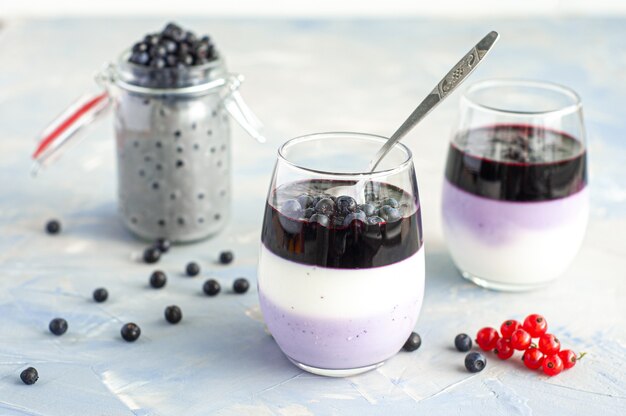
{"x": 173, "y": 47}
{"x": 330, "y": 211}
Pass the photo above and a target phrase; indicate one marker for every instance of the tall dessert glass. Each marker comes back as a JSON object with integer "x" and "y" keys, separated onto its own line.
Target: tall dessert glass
{"x": 341, "y": 266}
{"x": 515, "y": 195}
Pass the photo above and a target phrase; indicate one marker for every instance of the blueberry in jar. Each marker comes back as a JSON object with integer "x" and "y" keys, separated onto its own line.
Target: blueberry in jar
{"x": 325, "y": 206}
{"x": 375, "y": 220}
{"x": 320, "y": 219}
{"x": 241, "y": 285}
{"x": 173, "y": 314}
{"x": 100, "y": 295}
{"x": 354, "y": 216}
{"x": 211, "y": 287}
{"x": 345, "y": 205}
{"x": 29, "y": 376}
{"x": 130, "y": 332}
{"x": 158, "y": 279}
{"x": 389, "y": 214}
{"x": 392, "y": 202}
{"x": 291, "y": 208}
{"x": 368, "y": 209}
{"x": 305, "y": 200}
{"x": 192, "y": 269}
{"x": 58, "y": 326}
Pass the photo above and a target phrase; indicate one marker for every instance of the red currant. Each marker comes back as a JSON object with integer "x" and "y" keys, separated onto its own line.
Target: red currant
{"x": 569, "y": 358}
{"x": 520, "y": 339}
{"x": 549, "y": 344}
{"x": 503, "y": 349}
{"x": 486, "y": 338}
{"x": 552, "y": 365}
{"x": 533, "y": 358}
{"x": 535, "y": 325}
{"x": 508, "y": 326}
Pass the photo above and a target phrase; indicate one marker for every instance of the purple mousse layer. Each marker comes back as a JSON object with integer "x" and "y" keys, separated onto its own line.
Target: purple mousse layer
{"x": 496, "y": 221}
{"x": 341, "y": 343}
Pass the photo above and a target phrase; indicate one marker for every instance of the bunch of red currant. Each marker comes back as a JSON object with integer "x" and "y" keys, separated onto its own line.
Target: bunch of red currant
{"x": 546, "y": 353}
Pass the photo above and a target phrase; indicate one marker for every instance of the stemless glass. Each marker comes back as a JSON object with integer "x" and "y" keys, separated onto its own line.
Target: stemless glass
{"x": 515, "y": 196}
{"x": 341, "y": 266}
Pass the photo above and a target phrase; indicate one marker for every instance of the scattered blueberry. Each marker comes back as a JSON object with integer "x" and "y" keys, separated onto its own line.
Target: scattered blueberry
{"x": 173, "y": 314}
{"x": 389, "y": 214}
{"x": 29, "y": 376}
{"x": 413, "y": 342}
{"x": 345, "y": 205}
{"x": 58, "y": 326}
{"x": 226, "y": 257}
{"x": 241, "y": 285}
{"x": 100, "y": 295}
{"x": 53, "y": 227}
{"x": 325, "y": 206}
{"x": 158, "y": 279}
{"x": 308, "y": 213}
{"x": 368, "y": 209}
{"x": 475, "y": 362}
{"x": 151, "y": 255}
{"x": 321, "y": 219}
{"x": 211, "y": 287}
{"x": 463, "y": 342}
{"x": 130, "y": 332}
{"x": 192, "y": 269}
{"x": 163, "y": 245}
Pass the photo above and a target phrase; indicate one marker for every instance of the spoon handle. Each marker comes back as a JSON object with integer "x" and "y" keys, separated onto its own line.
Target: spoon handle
{"x": 456, "y": 76}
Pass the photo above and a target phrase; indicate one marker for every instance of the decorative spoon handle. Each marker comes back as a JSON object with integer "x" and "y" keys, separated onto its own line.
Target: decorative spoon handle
{"x": 456, "y": 76}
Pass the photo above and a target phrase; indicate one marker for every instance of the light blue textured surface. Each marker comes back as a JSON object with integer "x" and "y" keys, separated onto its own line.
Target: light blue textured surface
{"x": 302, "y": 77}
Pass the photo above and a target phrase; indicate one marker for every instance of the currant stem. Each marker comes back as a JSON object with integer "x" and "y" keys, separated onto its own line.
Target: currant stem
{"x": 580, "y": 356}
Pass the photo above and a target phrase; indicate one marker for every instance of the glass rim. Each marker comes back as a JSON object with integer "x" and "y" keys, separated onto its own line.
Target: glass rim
{"x": 574, "y": 105}
{"x": 345, "y": 134}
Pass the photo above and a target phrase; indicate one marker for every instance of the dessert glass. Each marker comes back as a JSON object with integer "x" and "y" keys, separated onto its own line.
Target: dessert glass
{"x": 515, "y": 195}
{"x": 341, "y": 265}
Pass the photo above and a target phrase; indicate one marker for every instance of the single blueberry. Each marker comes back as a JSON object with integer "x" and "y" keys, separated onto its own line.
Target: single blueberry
{"x": 157, "y": 63}
{"x": 413, "y": 342}
{"x": 152, "y": 39}
{"x": 308, "y": 213}
{"x": 475, "y": 362}
{"x": 140, "y": 47}
{"x": 355, "y": 216}
{"x": 345, "y": 205}
{"x": 463, "y": 342}
{"x": 100, "y": 295}
{"x": 58, "y": 326}
{"x": 291, "y": 208}
{"x": 151, "y": 255}
{"x": 163, "y": 245}
{"x": 169, "y": 45}
{"x": 158, "y": 51}
{"x": 389, "y": 214}
{"x": 320, "y": 219}
{"x": 130, "y": 332}
{"x": 158, "y": 279}
{"x": 211, "y": 287}
{"x": 29, "y": 376}
{"x": 139, "y": 58}
{"x": 305, "y": 200}
{"x": 375, "y": 220}
{"x": 241, "y": 285}
{"x": 53, "y": 227}
{"x": 325, "y": 206}
{"x": 391, "y": 202}
{"x": 173, "y": 314}
{"x": 368, "y": 209}
{"x": 192, "y": 269}
{"x": 226, "y": 257}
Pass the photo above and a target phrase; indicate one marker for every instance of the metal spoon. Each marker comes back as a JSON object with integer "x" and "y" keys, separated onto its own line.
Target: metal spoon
{"x": 456, "y": 76}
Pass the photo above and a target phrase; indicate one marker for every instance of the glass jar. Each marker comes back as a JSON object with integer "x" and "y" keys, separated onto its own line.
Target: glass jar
{"x": 173, "y": 144}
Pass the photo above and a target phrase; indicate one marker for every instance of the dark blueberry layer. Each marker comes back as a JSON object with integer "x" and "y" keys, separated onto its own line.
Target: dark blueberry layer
{"x": 318, "y": 228}
{"x": 517, "y": 163}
